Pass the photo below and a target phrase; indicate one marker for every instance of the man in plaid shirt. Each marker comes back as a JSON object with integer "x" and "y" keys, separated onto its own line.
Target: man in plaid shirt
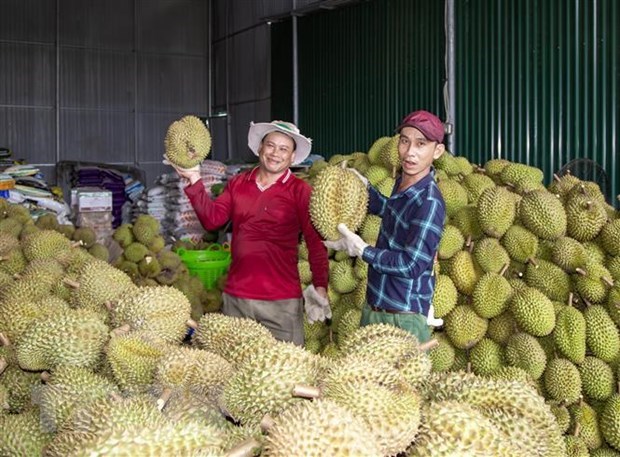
{"x": 400, "y": 274}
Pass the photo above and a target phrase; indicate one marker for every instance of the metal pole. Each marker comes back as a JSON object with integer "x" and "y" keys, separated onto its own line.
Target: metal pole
{"x": 295, "y": 69}
{"x": 451, "y": 67}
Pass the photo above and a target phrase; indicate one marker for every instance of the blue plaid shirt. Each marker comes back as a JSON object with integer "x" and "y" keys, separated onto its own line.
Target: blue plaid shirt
{"x": 400, "y": 273}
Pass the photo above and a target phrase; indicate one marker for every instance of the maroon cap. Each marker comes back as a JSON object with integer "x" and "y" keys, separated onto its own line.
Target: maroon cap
{"x": 427, "y": 123}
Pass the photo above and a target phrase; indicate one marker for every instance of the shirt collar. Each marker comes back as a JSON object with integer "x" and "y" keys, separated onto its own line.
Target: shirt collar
{"x": 283, "y": 179}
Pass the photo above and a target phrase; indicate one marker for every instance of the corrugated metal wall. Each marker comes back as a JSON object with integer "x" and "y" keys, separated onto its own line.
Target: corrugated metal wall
{"x": 537, "y": 81}
{"x": 361, "y": 68}
{"x": 100, "y": 80}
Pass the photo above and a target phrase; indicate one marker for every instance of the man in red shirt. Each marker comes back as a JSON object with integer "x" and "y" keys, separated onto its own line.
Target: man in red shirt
{"x": 268, "y": 207}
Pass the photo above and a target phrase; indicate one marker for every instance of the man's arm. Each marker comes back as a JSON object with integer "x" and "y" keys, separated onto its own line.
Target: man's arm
{"x": 212, "y": 214}
{"x": 317, "y": 252}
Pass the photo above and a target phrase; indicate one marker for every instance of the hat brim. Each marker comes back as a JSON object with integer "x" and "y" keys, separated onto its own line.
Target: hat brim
{"x": 258, "y": 131}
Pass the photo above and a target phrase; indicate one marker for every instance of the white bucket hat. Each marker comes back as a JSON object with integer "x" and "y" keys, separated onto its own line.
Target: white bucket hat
{"x": 258, "y": 131}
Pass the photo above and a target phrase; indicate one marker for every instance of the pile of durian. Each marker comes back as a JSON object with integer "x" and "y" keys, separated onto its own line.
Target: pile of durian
{"x": 93, "y": 364}
{"x": 147, "y": 260}
{"x": 528, "y": 286}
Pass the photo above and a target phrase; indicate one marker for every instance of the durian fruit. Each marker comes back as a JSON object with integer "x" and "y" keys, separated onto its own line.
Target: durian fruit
{"x": 562, "y": 381}
{"x": 464, "y": 327}
{"x": 543, "y": 214}
{"x": 448, "y": 163}
{"x": 99, "y": 251}
{"x": 75, "y": 337}
{"x": 442, "y": 355}
{"x": 549, "y": 279}
{"x": 569, "y": 254}
{"x": 386, "y": 186}
{"x": 342, "y": 278}
{"x": 338, "y": 196}
{"x": 464, "y": 272}
{"x": 45, "y": 244}
{"x": 569, "y": 334}
{"x": 86, "y": 236}
{"x": 525, "y": 352}
{"x": 47, "y": 221}
{"x": 100, "y": 283}
{"x": 233, "y": 338}
{"x": 602, "y": 338}
{"x": 585, "y": 424}
{"x": 585, "y": 217}
{"x": 538, "y": 434}
{"x": 495, "y": 211}
{"x": 123, "y": 235}
{"x": 520, "y": 244}
{"x": 319, "y": 428}
{"x": 610, "y": 237}
{"x": 187, "y": 142}
{"x": 374, "y": 152}
{"x": 593, "y": 282}
{"x": 369, "y": 231}
{"x": 133, "y": 359}
{"x": 149, "y": 267}
{"x": 376, "y": 174}
{"x": 561, "y": 185}
{"x": 518, "y": 175}
{"x": 196, "y": 370}
{"x": 451, "y": 428}
{"x": 445, "y": 296}
{"x": 392, "y": 414}
{"x": 562, "y": 416}
{"x": 533, "y": 311}
{"x": 475, "y": 184}
{"x": 161, "y": 310}
{"x": 454, "y": 195}
{"x": 490, "y": 255}
{"x": 135, "y": 252}
{"x": 22, "y": 434}
{"x": 389, "y": 156}
{"x": 610, "y": 421}
{"x": 264, "y": 383}
{"x": 451, "y": 242}
{"x": 466, "y": 220}
{"x": 491, "y": 295}
{"x": 145, "y": 229}
{"x": 68, "y": 389}
{"x": 486, "y": 357}
{"x": 387, "y": 342}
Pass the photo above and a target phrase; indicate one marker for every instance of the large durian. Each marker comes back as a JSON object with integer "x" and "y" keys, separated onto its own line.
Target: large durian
{"x": 338, "y": 197}
{"x": 187, "y": 142}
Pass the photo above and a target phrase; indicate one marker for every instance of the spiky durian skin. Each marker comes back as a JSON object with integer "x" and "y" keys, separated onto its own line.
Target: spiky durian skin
{"x": 234, "y": 338}
{"x": 543, "y": 214}
{"x": 264, "y": 384}
{"x": 338, "y": 196}
{"x": 22, "y": 434}
{"x": 162, "y": 310}
{"x": 317, "y": 429}
{"x": 75, "y": 338}
{"x": 496, "y": 211}
{"x": 187, "y": 142}
{"x": 45, "y": 244}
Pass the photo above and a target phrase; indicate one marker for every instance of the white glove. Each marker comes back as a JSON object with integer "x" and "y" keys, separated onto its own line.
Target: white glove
{"x": 430, "y": 319}
{"x": 361, "y": 177}
{"x": 349, "y": 242}
{"x": 316, "y": 306}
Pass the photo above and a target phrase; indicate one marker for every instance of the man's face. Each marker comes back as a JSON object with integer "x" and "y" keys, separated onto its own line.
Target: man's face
{"x": 276, "y": 152}
{"x": 416, "y": 153}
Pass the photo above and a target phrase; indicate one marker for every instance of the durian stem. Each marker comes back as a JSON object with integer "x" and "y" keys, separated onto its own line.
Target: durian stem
{"x": 468, "y": 240}
{"x": 617, "y": 304}
{"x": 589, "y": 204}
{"x": 45, "y": 376}
{"x": 163, "y": 398}
{"x": 115, "y": 397}
{"x": 580, "y": 271}
{"x": 570, "y": 299}
{"x": 76, "y": 244}
{"x": 305, "y": 391}
{"x": 608, "y": 281}
{"x": 17, "y": 276}
{"x": 532, "y": 260}
{"x": 587, "y": 302}
{"x": 4, "y": 340}
{"x": 121, "y": 330}
{"x": 3, "y": 364}
{"x": 71, "y": 283}
{"x": 503, "y": 270}
{"x": 266, "y": 423}
{"x": 577, "y": 429}
{"x": 109, "y": 305}
{"x": 430, "y": 344}
{"x": 556, "y": 177}
{"x": 192, "y": 323}
{"x": 468, "y": 367}
{"x": 244, "y": 449}
{"x": 470, "y": 248}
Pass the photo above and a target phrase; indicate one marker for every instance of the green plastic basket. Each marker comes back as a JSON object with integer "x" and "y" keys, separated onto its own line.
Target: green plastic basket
{"x": 208, "y": 264}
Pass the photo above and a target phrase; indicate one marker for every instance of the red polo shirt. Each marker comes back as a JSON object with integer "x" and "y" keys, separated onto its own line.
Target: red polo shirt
{"x": 266, "y": 226}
